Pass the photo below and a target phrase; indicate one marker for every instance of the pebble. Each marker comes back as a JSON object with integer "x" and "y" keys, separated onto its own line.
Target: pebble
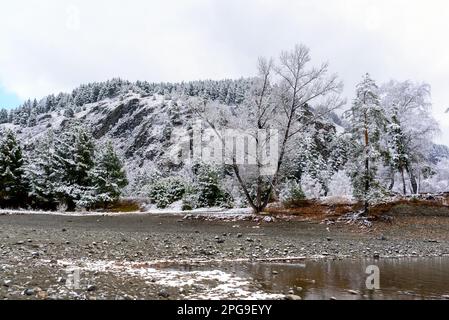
{"x": 163, "y": 294}
{"x": 28, "y": 292}
{"x": 376, "y": 255}
{"x": 354, "y": 292}
{"x": 91, "y": 288}
{"x": 292, "y": 297}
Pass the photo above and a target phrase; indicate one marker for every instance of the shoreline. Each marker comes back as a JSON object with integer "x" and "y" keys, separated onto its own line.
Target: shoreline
{"x": 34, "y": 245}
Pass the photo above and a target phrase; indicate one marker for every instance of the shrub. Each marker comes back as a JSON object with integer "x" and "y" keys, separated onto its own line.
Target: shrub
{"x": 291, "y": 194}
{"x": 166, "y": 191}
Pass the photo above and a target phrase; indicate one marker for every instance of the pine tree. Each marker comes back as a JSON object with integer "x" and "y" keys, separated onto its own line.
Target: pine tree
{"x": 13, "y": 187}
{"x": 75, "y": 159}
{"x": 109, "y": 176}
{"x": 42, "y": 174}
{"x": 208, "y": 189}
{"x": 398, "y": 154}
{"x": 367, "y": 121}
{"x": 3, "y": 116}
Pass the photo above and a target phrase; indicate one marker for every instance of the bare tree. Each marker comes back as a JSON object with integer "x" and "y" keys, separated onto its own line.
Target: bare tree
{"x": 279, "y": 99}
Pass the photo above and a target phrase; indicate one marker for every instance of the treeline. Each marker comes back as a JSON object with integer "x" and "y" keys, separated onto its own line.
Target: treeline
{"x": 228, "y": 92}
{"x": 67, "y": 171}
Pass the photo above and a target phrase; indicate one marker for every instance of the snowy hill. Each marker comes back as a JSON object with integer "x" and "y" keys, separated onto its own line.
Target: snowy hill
{"x": 139, "y": 127}
{"x": 138, "y": 118}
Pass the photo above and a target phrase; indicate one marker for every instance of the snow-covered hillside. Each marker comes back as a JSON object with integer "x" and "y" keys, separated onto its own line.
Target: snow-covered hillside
{"x": 139, "y": 127}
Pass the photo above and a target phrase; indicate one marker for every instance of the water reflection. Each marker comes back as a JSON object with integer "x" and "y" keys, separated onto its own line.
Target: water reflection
{"x": 405, "y": 278}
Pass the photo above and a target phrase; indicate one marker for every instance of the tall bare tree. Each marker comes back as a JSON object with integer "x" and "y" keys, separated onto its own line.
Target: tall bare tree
{"x": 279, "y": 100}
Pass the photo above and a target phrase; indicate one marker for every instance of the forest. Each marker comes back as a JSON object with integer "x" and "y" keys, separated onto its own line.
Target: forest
{"x": 374, "y": 148}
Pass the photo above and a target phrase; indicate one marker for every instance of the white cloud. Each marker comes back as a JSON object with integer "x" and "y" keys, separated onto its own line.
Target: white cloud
{"x": 50, "y": 46}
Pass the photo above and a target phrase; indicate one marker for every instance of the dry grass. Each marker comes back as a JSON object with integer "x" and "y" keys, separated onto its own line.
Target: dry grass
{"x": 124, "y": 205}
{"x": 316, "y": 210}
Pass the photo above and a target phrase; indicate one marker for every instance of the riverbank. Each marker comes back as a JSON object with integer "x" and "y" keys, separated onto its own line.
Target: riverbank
{"x": 126, "y": 255}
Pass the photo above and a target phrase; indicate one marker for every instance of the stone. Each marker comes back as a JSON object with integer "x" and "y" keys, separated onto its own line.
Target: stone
{"x": 292, "y": 297}
{"x": 91, "y": 288}
{"x": 28, "y": 292}
{"x": 353, "y": 292}
{"x": 164, "y": 294}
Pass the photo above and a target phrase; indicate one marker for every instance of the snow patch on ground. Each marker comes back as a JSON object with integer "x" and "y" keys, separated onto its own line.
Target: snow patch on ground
{"x": 211, "y": 284}
{"x": 205, "y": 212}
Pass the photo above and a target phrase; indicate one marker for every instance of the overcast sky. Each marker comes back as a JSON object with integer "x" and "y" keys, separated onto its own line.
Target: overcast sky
{"x": 52, "y": 46}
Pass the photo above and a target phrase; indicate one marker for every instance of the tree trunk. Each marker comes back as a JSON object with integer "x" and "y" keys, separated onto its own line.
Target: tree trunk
{"x": 412, "y": 180}
{"x": 367, "y": 178}
{"x": 366, "y": 208}
{"x": 391, "y": 186}
{"x": 404, "y": 187}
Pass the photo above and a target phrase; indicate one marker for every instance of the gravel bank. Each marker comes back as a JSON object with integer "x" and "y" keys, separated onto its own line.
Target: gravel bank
{"x": 126, "y": 256}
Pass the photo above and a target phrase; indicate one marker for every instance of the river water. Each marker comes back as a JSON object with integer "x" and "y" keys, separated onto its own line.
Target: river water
{"x": 399, "y": 278}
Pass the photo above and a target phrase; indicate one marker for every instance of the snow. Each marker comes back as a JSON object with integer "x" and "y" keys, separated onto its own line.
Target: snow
{"x": 202, "y": 212}
{"x": 210, "y": 284}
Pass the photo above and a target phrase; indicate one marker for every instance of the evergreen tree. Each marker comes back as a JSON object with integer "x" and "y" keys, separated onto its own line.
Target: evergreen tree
{"x": 13, "y": 187}
{"x": 109, "y": 176}
{"x": 74, "y": 154}
{"x": 208, "y": 189}
{"x": 3, "y": 116}
{"x": 367, "y": 121}
{"x": 42, "y": 174}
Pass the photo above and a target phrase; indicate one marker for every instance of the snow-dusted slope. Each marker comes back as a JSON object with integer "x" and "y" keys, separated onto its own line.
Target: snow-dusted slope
{"x": 139, "y": 126}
